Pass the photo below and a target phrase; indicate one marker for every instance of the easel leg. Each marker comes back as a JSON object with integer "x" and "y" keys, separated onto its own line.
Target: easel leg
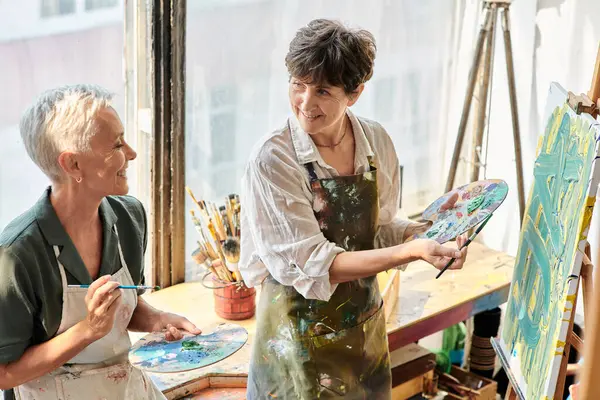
{"x": 485, "y": 27}
{"x": 586, "y": 279}
{"x": 484, "y": 86}
{"x": 513, "y": 108}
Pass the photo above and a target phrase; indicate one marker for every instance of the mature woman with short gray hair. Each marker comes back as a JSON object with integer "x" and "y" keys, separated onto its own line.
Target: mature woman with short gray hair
{"x": 58, "y": 340}
{"x": 320, "y": 221}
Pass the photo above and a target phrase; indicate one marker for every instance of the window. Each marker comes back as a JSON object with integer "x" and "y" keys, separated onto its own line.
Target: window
{"x": 222, "y": 124}
{"x": 98, "y": 4}
{"x": 88, "y": 54}
{"x": 50, "y": 8}
{"x": 384, "y": 101}
{"x": 237, "y": 85}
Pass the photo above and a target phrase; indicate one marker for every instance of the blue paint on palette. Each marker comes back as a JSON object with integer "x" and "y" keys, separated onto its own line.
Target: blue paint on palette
{"x": 153, "y": 353}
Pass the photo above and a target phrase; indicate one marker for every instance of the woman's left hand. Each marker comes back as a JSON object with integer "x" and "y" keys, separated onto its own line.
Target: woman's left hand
{"x": 174, "y": 326}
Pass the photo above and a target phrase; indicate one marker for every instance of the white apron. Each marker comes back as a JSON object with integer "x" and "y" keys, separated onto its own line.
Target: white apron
{"x": 102, "y": 370}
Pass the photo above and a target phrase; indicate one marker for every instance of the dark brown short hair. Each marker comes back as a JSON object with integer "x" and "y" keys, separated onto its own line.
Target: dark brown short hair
{"x": 326, "y": 51}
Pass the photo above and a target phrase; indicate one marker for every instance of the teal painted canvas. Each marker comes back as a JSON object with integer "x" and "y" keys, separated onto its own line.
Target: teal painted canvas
{"x": 553, "y": 238}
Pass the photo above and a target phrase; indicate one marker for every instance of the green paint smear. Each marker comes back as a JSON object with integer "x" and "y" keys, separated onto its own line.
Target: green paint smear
{"x": 432, "y": 232}
{"x": 475, "y": 204}
{"x": 191, "y": 345}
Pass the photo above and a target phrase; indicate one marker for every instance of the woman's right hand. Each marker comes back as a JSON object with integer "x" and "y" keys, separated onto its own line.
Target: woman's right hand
{"x": 435, "y": 254}
{"x": 102, "y": 301}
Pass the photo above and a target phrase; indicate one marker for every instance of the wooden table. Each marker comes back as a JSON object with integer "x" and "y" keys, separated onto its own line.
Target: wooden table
{"x": 425, "y": 306}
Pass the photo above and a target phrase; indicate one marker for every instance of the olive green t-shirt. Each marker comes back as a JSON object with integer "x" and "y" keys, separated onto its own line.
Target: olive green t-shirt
{"x": 30, "y": 283}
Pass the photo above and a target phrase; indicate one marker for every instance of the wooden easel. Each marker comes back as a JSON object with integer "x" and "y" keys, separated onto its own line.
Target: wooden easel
{"x": 483, "y": 61}
{"x": 591, "y": 390}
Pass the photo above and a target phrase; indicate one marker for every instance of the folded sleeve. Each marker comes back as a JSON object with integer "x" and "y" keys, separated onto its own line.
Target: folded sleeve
{"x": 287, "y": 239}
{"x": 16, "y": 310}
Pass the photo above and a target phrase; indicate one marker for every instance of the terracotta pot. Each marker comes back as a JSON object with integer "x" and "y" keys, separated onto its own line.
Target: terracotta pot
{"x": 234, "y": 301}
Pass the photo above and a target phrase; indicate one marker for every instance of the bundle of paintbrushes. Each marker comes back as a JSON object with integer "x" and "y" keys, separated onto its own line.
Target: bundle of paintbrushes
{"x": 219, "y": 229}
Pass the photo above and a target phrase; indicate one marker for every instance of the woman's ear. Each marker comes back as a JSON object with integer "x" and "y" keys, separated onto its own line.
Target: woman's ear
{"x": 68, "y": 163}
{"x": 355, "y": 95}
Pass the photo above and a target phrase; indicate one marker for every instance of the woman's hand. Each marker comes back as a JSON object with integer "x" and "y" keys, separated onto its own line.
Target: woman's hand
{"x": 574, "y": 391}
{"x": 437, "y": 255}
{"x": 174, "y": 326}
{"x": 102, "y": 300}
{"x": 146, "y": 318}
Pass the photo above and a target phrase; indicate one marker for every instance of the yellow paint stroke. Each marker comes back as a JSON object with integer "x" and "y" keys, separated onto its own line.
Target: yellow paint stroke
{"x": 587, "y": 217}
{"x": 560, "y": 345}
{"x": 342, "y": 305}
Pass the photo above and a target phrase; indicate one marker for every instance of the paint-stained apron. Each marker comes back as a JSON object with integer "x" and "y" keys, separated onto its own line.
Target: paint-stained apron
{"x": 101, "y": 370}
{"x": 311, "y": 349}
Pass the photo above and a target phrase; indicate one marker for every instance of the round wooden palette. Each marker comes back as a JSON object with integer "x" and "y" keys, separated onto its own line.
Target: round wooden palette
{"x": 153, "y": 353}
{"x": 476, "y": 201}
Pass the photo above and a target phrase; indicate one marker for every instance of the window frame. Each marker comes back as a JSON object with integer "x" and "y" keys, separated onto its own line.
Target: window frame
{"x": 164, "y": 76}
{"x": 168, "y": 153}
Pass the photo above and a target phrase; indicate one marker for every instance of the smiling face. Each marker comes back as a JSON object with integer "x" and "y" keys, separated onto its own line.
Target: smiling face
{"x": 319, "y": 108}
{"x": 103, "y": 168}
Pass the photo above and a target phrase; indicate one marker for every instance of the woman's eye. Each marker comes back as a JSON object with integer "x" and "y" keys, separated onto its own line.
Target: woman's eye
{"x": 323, "y": 92}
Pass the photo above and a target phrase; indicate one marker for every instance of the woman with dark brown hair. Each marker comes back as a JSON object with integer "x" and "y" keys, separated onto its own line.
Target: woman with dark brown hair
{"x": 319, "y": 218}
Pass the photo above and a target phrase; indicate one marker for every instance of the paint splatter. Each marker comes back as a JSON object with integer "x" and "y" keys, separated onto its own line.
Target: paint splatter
{"x": 119, "y": 376}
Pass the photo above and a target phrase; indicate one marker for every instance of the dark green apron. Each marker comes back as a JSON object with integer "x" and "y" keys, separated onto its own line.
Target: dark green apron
{"x": 311, "y": 349}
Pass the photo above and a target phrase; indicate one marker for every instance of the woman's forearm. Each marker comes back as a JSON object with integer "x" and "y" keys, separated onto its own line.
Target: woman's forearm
{"x": 354, "y": 265}
{"x": 43, "y": 358}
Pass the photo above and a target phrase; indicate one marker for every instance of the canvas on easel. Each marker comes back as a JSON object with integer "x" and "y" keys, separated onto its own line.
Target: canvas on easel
{"x": 553, "y": 239}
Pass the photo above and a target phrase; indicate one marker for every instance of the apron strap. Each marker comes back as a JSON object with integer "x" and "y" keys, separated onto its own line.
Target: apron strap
{"x": 311, "y": 172}
{"x": 371, "y": 163}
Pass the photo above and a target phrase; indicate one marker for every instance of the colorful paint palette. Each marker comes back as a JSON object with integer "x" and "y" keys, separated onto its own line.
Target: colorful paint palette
{"x": 475, "y": 202}
{"x": 153, "y": 353}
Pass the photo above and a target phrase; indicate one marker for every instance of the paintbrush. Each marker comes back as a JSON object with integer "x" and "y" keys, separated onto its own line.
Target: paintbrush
{"x": 187, "y": 189}
{"x": 217, "y": 251}
{"x": 218, "y": 223}
{"x": 200, "y": 204}
{"x": 229, "y": 212}
{"x": 231, "y": 250}
{"x": 200, "y": 255}
{"x": 208, "y": 250}
{"x": 468, "y": 242}
{"x": 226, "y": 222}
{"x": 206, "y": 261}
{"x": 119, "y": 287}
